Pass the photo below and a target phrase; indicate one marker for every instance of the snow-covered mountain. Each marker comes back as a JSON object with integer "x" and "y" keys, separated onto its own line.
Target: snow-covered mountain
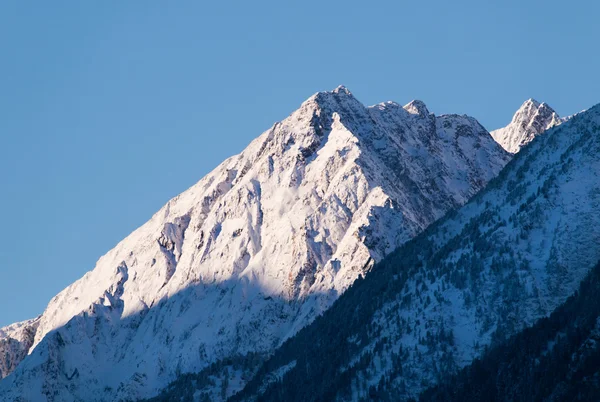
{"x": 15, "y": 341}
{"x": 532, "y": 119}
{"x": 510, "y": 256}
{"x": 256, "y": 249}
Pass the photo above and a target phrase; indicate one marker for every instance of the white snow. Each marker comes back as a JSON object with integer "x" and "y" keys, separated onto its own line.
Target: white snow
{"x": 531, "y": 120}
{"x": 540, "y": 223}
{"x": 257, "y": 248}
{"x": 15, "y": 341}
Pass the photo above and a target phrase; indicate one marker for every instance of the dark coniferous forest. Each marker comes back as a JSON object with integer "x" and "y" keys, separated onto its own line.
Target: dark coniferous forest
{"x": 558, "y": 359}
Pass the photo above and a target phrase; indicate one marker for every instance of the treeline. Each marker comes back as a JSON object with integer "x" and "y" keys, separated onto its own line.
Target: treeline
{"x": 212, "y": 382}
{"x": 481, "y": 252}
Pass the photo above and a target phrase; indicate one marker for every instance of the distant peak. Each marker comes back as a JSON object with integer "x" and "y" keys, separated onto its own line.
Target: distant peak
{"x": 532, "y": 109}
{"x": 529, "y": 121}
{"x": 338, "y": 93}
{"x": 416, "y": 107}
{"x": 333, "y": 101}
{"x": 530, "y": 102}
{"x": 342, "y": 89}
{"x": 533, "y": 105}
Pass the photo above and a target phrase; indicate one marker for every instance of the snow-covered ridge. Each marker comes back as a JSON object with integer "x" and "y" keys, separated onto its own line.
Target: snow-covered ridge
{"x": 15, "y": 341}
{"x": 532, "y": 119}
{"x": 257, "y": 248}
{"x": 510, "y": 256}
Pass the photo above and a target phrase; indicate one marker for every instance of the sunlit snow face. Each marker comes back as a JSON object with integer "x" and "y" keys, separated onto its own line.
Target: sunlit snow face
{"x": 264, "y": 243}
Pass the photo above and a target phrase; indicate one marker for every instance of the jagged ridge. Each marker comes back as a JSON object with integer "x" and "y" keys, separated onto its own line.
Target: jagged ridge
{"x": 510, "y": 256}
{"x": 531, "y": 120}
{"x": 256, "y": 249}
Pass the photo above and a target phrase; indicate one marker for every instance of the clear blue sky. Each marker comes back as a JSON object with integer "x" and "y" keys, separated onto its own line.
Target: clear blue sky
{"x": 109, "y": 109}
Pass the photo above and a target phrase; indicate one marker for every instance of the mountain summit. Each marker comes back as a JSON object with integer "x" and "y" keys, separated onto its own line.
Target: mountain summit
{"x": 416, "y": 107}
{"x": 256, "y": 249}
{"x": 517, "y": 251}
{"x": 532, "y": 119}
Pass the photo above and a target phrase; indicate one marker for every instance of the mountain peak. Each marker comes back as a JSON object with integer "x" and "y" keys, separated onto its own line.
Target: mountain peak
{"x": 416, "y": 107}
{"x": 342, "y": 89}
{"x": 530, "y": 120}
{"x": 520, "y": 248}
{"x": 530, "y": 106}
{"x": 339, "y": 92}
{"x": 260, "y": 246}
{"x": 530, "y": 103}
{"x": 338, "y": 96}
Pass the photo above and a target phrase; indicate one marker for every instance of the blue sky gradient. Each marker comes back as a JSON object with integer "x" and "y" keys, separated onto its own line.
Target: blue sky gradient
{"x": 109, "y": 109}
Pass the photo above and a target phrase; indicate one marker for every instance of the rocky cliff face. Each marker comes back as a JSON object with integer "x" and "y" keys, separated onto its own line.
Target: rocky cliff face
{"x": 257, "y": 248}
{"x": 15, "y": 341}
{"x": 532, "y": 119}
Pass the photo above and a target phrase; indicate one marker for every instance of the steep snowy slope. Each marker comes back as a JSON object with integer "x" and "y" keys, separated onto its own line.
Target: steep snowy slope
{"x": 532, "y": 119}
{"x": 15, "y": 342}
{"x": 510, "y": 256}
{"x": 256, "y": 249}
